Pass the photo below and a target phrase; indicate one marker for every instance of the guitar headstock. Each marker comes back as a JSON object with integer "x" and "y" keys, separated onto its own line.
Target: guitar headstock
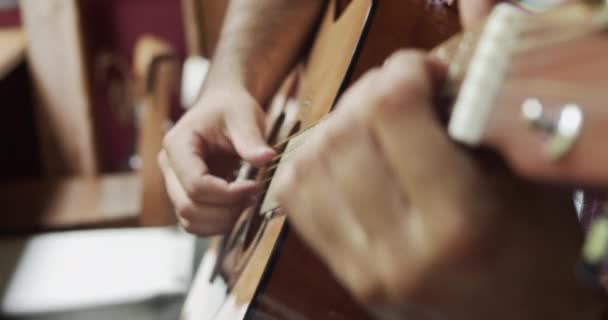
{"x": 556, "y": 57}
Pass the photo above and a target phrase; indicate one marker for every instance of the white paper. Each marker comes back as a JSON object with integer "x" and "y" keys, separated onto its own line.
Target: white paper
{"x": 65, "y": 271}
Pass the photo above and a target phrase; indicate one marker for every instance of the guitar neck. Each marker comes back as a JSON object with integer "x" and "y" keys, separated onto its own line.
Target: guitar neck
{"x": 555, "y": 57}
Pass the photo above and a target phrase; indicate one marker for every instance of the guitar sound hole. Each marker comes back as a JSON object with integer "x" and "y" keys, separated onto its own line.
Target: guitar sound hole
{"x": 250, "y": 227}
{"x": 237, "y": 247}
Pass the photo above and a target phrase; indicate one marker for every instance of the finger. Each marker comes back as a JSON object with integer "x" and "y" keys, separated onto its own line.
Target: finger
{"x": 525, "y": 148}
{"x": 416, "y": 146}
{"x": 189, "y": 210}
{"x": 206, "y": 189}
{"x": 400, "y": 242}
{"x": 185, "y": 154}
{"x": 306, "y": 192}
{"x": 367, "y": 185}
{"x": 246, "y": 130}
{"x": 207, "y": 220}
{"x": 381, "y": 208}
{"x": 214, "y": 218}
{"x": 474, "y": 12}
{"x": 319, "y": 214}
{"x": 197, "y": 219}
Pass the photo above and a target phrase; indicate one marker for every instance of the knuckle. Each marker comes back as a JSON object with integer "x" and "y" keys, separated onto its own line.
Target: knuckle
{"x": 403, "y": 58}
{"x": 462, "y": 238}
{"x": 404, "y": 75}
{"x": 367, "y": 292}
{"x": 358, "y": 91}
{"x": 407, "y": 84}
{"x": 388, "y": 289}
{"x": 185, "y": 211}
{"x": 361, "y": 281}
{"x": 383, "y": 107}
{"x": 333, "y": 137}
{"x": 161, "y": 160}
{"x": 286, "y": 181}
{"x": 300, "y": 168}
{"x": 370, "y": 76}
{"x": 208, "y": 226}
{"x": 192, "y": 229}
{"x": 390, "y": 281}
{"x": 168, "y": 139}
{"x": 193, "y": 190}
{"x": 410, "y": 84}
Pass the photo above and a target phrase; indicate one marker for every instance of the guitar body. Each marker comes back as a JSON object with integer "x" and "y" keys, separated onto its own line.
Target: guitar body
{"x": 298, "y": 285}
{"x": 262, "y": 270}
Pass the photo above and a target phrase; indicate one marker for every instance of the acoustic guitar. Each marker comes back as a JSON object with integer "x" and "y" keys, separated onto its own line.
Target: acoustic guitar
{"x": 262, "y": 270}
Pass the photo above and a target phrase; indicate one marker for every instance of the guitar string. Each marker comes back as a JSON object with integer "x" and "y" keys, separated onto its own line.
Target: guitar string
{"x": 525, "y": 46}
{"x": 270, "y": 168}
{"x": 545, "y": 86}
{"x": 548, "y": 87}
{"x": 274, "y": 163}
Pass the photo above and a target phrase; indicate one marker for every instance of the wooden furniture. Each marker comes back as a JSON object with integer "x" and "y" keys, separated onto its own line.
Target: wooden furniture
{"x": 12, "y": 49}
{"x": 202, "y": 25}
{"x": 19, "y": 157}
{"x": 60, "y": 78}
{"x": 127, "y": 199}
{"x": 156, "y": 75}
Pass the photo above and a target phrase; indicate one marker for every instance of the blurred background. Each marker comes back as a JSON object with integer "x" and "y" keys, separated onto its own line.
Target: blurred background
{"x": 87, "y": 90}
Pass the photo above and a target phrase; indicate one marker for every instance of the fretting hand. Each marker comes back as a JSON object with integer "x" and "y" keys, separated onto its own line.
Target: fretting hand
{"x": 406, "y": 218}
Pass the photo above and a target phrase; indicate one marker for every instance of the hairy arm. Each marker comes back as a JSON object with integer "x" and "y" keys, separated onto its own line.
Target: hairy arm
{"x": 260, "y": 41}
{"x": 258, "y": 44}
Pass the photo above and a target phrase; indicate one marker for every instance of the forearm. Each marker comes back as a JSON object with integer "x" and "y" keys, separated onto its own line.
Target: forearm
{"x": 260, "y": 40}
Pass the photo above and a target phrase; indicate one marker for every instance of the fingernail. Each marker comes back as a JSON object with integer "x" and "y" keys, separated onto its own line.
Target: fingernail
{"x": 253, "y": 199}
{"x": 262, "y": 154}
{"x": 265, "y": 151}
{"x": 245, "y": 184}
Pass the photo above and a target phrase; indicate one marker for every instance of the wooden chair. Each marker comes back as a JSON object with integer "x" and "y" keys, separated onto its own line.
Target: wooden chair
{"x": 12, "y": 50}
{"x": 202, "y": 25}
{"x": 74, "y": 194}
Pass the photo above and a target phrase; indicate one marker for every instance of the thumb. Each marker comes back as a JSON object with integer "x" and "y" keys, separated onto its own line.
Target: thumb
{"x": 245, "y": 129}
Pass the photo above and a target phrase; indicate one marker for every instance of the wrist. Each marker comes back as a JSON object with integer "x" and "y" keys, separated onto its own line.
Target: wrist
{"x": 233, "y": 87}
{"x": 233, "y": 76}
